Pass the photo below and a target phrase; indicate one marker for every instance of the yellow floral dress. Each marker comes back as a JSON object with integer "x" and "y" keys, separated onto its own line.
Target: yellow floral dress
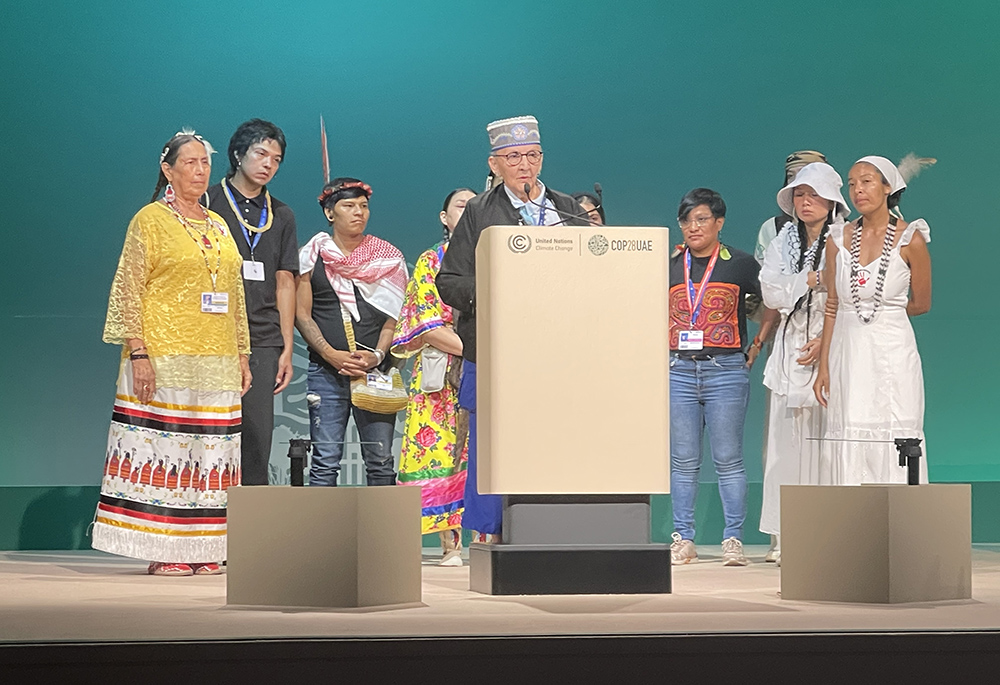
{"x": 169, "y": 462}
{"x": 428, "y": 453}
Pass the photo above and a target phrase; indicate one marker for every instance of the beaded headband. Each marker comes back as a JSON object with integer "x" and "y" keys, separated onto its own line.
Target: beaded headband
{"x": 327, "y": 192}
{"x": 186, "y": 132}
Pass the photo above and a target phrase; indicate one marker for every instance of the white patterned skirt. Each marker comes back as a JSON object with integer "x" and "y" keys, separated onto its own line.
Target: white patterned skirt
{"x": 166, "y": 472}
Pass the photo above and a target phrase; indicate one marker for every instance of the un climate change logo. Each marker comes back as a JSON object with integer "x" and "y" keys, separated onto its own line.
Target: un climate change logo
{"x": 519, "y": 243}
{"x": 598, "y": 244}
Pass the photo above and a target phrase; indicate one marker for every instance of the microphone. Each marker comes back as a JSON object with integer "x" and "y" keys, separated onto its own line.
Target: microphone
{"x": 585, "y": 216}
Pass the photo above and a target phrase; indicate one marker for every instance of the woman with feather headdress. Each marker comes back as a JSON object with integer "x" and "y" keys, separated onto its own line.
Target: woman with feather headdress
{"x": 870, "y": 374}
{"x": 178, "y": 311}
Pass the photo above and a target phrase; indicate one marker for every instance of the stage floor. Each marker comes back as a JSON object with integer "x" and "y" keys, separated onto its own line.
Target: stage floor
{"x": 89, "y": 596}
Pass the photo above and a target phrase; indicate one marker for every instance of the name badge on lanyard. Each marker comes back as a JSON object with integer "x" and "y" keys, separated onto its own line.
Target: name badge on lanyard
{"x": 693, "y": 338}
{"x": 252, "y": 269}
{"x": 215, "y": 303}
{"x": 376, "y": 380}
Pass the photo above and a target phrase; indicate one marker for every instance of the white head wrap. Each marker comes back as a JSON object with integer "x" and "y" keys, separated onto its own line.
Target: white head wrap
{"x": 888, "y": 169}
{"x": 822, "y": 178}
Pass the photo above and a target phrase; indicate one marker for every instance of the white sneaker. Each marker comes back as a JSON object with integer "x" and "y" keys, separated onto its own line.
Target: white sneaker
{"x": 682, "y": 551}
{"x": 774, "y": 553}
{"x": 732, "y": 553}
{"x": 451, "y": 543}
{"x": 451, "y": 558}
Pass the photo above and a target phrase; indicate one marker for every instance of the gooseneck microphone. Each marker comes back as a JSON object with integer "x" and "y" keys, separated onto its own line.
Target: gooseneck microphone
{"x": 585, "y": 216}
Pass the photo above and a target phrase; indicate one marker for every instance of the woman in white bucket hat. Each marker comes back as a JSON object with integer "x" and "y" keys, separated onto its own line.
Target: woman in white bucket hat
{"x": 791, "y": 280}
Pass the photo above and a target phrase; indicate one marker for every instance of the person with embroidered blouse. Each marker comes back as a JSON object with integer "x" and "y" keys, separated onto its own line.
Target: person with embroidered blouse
{"x": 710, "y": 360}
{"x": 177, "y": 309}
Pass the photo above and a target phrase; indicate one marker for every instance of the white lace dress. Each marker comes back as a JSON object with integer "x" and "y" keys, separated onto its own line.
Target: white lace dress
{"x": 876, "y": 379}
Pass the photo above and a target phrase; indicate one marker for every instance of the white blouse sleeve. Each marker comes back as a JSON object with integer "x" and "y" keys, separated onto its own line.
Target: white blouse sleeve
{"x": 837, "y": 234}
{"x": 911, "y": 228}
{"x": 780, "y": 290}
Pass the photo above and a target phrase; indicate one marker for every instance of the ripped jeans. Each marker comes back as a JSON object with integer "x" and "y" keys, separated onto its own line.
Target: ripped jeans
{"x": 328, "y": 395}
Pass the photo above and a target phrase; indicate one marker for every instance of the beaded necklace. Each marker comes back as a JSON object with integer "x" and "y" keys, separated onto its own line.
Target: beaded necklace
{"x": 205, "y": 241}
{"x": 267, "y": 216}
{"x": 883, "y": 267}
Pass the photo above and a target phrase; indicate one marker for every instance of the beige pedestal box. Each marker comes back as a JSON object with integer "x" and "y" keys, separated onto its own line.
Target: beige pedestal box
{"x": 876, "y": 543}
{"x": 573, "y": 360}
{"x": 323, "y": 547}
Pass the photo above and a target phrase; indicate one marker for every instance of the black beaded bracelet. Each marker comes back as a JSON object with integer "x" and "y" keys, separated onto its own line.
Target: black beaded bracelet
{"x": 133, "y": 357}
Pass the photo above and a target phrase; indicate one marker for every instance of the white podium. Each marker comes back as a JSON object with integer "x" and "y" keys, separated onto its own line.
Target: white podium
{"x": 876, "y": 543}
{"x": 573, "y": 406}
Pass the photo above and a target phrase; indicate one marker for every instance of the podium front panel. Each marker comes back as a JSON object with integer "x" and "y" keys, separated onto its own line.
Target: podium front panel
{"x": 573, "y": 360}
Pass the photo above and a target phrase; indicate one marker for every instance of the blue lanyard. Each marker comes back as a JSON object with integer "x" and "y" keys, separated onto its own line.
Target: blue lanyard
{"x": 526, "y": 212}
{"x": 252, "y": 242}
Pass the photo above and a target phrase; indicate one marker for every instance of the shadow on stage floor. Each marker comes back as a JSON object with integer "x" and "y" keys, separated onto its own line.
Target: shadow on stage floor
{"x": 84, "y": 616}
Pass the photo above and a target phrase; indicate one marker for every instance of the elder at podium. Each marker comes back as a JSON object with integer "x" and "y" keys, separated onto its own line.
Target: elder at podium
{"x": 515, "y": 158}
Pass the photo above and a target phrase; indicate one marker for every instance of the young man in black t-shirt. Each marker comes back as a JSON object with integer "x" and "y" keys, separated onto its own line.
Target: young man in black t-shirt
{"x": 264, "y": 231}
{"x": 709, "y": 370}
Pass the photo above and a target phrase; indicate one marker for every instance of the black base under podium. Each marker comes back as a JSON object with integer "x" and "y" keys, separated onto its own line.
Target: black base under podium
{"x": 572, "y": 544}
{"x": 504, "y": 569}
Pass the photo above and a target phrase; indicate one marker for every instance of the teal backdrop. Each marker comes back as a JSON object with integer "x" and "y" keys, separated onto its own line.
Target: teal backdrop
{"x": 648, "y": 98}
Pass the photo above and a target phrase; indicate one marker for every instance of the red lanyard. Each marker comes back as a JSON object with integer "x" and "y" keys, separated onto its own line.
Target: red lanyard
{"x": 695, "y": 299}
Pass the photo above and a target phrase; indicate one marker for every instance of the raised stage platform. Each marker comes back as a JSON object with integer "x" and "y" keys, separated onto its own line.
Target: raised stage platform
{"x": 67, "y": 614}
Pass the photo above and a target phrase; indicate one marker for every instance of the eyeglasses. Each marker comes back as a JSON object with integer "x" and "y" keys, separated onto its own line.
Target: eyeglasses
{"x": 514, "y": 158}
{"x": 700, "y": 222}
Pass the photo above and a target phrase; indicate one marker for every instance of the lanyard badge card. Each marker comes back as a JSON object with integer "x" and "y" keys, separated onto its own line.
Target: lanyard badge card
{"x": 693, "y": 339}
{"x": 252, "y": 269}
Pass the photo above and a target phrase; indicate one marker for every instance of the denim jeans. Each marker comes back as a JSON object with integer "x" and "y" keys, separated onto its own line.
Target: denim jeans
{"x": 712, "y": 393}
{"x": 328, "y": 395}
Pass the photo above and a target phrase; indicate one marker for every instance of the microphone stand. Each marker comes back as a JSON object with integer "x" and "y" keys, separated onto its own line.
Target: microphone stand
{"x": 298, "y": 450}
{"x": 909, "y": 457}
{"x": 909, "y": 454}
{"x": 585, "y": 215}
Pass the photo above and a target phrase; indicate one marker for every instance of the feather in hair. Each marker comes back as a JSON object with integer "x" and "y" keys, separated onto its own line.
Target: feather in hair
{"x": 911, "y": 165}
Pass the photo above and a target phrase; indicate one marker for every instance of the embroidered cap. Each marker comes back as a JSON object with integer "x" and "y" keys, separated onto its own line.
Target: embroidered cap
{"x": 516, "y": 131}
{"x": 798, "y": 159}
{"x": 822, "y": 178}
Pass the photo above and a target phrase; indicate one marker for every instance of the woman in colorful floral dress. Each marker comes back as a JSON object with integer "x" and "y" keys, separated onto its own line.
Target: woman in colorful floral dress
{"x": 431, "y": 458}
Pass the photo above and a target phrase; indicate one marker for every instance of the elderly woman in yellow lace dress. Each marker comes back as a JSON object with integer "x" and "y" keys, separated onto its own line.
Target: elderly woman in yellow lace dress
{"x": 177, "y": 310}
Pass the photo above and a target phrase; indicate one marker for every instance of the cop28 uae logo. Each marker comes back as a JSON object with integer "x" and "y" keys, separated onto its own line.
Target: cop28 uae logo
{"x": 519, "y": 243}
{"x": 598, "y": 244}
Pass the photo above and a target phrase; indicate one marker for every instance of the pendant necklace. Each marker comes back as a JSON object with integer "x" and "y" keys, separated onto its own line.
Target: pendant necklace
{"x": 204, "y": 242}
{"x": 883, "y": 268}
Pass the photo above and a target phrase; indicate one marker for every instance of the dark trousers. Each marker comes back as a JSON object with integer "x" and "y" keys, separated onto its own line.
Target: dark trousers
{"x": 258, "y": 415}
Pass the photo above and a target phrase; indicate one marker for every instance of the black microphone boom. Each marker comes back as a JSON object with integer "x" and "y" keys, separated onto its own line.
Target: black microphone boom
{"x": 585, "y": 215}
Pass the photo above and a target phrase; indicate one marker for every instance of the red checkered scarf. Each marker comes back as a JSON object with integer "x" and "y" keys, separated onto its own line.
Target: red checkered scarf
{"x": 376, "y": 267}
